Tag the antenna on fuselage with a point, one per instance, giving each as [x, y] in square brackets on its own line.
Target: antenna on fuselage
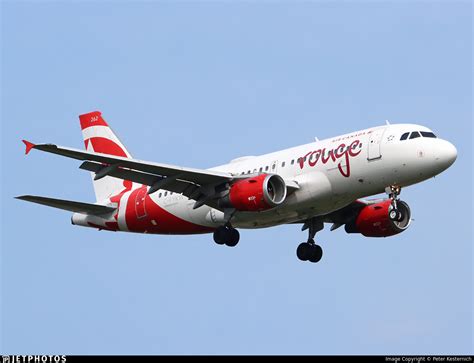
[388, 123]
[316, 138]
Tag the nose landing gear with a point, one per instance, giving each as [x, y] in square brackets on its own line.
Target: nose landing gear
[393, 192]
[310, 251]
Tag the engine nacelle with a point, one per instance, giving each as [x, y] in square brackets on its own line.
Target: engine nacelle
[374, 221]
[255, 194]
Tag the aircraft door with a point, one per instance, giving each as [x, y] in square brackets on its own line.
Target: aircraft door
[375, 140]
[140, 203]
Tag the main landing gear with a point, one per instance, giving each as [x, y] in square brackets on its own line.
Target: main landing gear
[393, 193]
[310, 251]
[226, 235]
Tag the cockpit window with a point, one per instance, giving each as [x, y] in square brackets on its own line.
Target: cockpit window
[404, 136]
[428, 134]
[414, 135]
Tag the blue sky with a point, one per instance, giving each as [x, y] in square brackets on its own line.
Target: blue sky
[197, 84]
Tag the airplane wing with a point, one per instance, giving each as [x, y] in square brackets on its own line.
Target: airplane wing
[201, 185]
[78, 207]
[193, 175]
[342, 216]
[346, 214]
[204, 186]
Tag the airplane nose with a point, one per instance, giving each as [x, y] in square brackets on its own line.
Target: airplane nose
[446, 154]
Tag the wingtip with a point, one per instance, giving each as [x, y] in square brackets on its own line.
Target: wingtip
[29, 146]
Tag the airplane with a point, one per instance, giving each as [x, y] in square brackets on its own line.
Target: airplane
[320, 182]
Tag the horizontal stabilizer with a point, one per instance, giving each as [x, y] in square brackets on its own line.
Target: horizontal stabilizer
[78, 207]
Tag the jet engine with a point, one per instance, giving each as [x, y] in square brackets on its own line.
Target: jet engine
[375, 220]
[255, 194]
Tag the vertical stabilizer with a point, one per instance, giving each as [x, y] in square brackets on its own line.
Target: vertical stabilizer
[100, 138]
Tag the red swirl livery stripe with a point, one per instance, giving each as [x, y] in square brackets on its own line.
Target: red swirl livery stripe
[143, 215]
[105, 146]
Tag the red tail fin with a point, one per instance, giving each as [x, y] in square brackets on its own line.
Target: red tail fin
[92, 119]
[99, 137]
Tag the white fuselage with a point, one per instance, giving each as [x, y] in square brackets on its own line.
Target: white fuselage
[328, 174]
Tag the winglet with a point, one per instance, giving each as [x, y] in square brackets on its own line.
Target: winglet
[29, 146]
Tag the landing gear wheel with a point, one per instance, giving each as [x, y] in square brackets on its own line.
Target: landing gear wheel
[394, 215]
[393, 192]
[400, 216]
[303, 251]
[226, 235]
[233, 237]
[308, 251]
[316, 253]
[220, 235]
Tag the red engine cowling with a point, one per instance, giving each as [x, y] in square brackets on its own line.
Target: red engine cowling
[373, 220]
[257, 193]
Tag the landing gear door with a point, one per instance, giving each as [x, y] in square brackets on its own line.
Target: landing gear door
[375, 140]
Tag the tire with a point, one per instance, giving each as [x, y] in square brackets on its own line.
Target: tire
[394, 215]
[316, 253]
[302, 252]
[233, 237]
[400, 216]
[220, 235]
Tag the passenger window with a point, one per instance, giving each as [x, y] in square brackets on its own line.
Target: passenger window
[428, 134]
[273, 166]
[266, 168]
[159, 195]
[414, 135]
[283, 164]
[166, 193]
[404, 136]
[260, 170]
[292, 161]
